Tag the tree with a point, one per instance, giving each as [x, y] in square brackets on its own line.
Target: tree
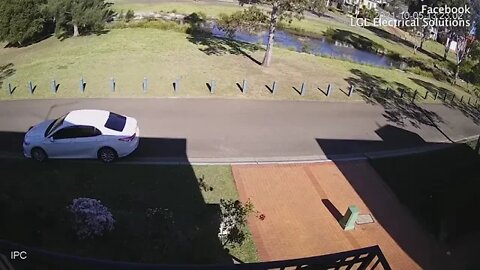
[470, 72]
[318, 7]
[465, 43]
[254, 18]
[395, 6]
[367, 13]
[419, 31]
[466, 38]
[80, 16]
[454, 32]
[21, 20]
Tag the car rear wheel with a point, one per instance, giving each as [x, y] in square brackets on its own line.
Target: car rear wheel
[38, 154]
[107, 154]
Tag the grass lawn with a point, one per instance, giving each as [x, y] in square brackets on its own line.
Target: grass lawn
[211, 9]
[34, 197]
[440, 188]
[129, 55]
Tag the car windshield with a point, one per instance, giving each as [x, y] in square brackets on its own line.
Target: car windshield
[54, 125]
[116, 122]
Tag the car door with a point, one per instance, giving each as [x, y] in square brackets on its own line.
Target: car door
[73, 142]
[87, 143]
[59, 143]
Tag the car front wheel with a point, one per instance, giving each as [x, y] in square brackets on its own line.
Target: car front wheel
[107, 154]
[38, 154]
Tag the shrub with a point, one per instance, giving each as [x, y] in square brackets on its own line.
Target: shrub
[306, 48]
[330, 34]
[194, 18]
[121, 15]
[90, 218]
[292, 48]
[367, 13]
[202, 15]
[394, 56]
[156, 24]
[419, 71]
[129, 15]
[233, 220]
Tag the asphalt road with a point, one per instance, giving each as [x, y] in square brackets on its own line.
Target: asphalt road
[205, 130]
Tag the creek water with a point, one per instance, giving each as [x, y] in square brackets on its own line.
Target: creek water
[316, 46]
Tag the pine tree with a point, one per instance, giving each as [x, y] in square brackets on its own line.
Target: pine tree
[21, 21]
[80, 16]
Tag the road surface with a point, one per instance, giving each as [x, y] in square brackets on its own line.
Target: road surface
[246, 130]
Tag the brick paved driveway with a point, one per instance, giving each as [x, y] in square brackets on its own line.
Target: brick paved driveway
[301, 202]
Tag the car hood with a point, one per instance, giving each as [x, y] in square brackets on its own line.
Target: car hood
[38, 131]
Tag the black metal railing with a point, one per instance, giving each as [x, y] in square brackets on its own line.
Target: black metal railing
[364, 258]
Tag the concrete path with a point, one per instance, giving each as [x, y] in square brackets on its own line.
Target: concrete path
[224, 130]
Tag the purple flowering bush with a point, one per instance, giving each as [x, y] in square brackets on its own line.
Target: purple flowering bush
[90, 218]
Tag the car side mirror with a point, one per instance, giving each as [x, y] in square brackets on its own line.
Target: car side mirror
[51, 139]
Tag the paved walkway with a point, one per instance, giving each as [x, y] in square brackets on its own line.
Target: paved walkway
[250, 130]
[301, 204]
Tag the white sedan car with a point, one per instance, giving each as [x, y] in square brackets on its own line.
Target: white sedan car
[83, 134]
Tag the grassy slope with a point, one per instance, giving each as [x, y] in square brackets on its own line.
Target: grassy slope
[322, 24]
[35, 197]
[129, 55]
[211, 10]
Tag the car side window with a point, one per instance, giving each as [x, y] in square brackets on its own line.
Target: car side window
[66, 133]
[97, 132]
[76, 132]
[88, 131]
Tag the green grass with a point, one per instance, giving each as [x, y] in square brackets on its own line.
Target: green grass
[472, 143]
[34, 197]
[129, 55]
[210, 9]
[439, 188]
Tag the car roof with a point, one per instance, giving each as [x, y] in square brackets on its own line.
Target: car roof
[96, 118]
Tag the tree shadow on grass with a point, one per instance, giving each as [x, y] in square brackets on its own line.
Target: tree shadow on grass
[69, 34]
[29, 42]
[389, 36]
[212, 45]
[436, 71]
[6, 71]
[399, 110]
[396, 39]
[358, 41]
[445, 95]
